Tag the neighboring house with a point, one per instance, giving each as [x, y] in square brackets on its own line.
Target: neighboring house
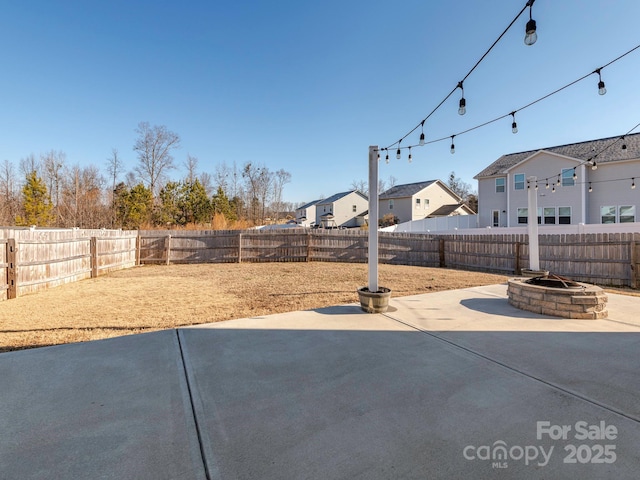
[342, 209]
[600, 192]
[415, 201]
[306, 214]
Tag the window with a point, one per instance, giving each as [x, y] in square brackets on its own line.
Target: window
[417, 203]
[500, 185]
[523, 214]
[426, 203]
[567, 177]
[627, 213]
[496, 218]
[354, 208]
[564, 215]
[622, 214]
[390, 204]
[518, 181]
[549, 215]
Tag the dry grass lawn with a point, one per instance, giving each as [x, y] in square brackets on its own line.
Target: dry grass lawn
[151, 298]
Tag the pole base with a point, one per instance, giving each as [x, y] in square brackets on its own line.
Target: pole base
[374, 302]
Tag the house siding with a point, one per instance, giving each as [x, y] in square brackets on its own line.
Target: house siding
[611, 183]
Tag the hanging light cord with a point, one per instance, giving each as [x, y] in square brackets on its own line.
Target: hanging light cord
[528, 4]
[519, 109]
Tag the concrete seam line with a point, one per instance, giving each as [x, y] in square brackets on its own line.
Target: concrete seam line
[197, 410]
[515, 370]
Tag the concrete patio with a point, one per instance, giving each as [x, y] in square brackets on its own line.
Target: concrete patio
[449, 385]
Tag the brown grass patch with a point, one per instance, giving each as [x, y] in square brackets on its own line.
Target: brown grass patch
[151, 298]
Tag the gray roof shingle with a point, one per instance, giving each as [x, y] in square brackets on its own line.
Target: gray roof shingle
[338, 196]
[610, 148]
[406, 190]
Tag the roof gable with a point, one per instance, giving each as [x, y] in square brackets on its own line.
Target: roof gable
[610, 151]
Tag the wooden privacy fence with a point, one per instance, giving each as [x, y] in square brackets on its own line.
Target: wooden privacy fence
[35, 260]
[605, 259]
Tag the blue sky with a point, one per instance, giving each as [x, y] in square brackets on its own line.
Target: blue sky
[308, 86]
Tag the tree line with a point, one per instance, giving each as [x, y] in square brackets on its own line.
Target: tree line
[47, 191]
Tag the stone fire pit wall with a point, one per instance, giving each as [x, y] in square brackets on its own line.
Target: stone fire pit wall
[588, 302]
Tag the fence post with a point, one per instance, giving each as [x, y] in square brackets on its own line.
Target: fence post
[517, 258]
[239, 248]
[12, 269]
[308, 246]
[441, 252]
[167, 249]
[138, 246]
[634, 264]
[93, 249]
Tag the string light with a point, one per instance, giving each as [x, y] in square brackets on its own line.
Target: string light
[531, 36]
[422, 133]
[558, 182]
[633, 184]
[624, 143]
[453, 147]
[514, 125]
[547, 185]
[594, 165]
[601, 89]
[387, 157]
[398, 155]
[590, 188]
[463, 103]
[409, 158]
[575, 175]
[553, 190]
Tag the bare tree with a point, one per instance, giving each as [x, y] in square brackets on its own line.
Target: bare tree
[191, 164]
[9, 198]
[115, 167]
[222, 177]
[280, 179]
[29, 164]
[54, 164]
[207, 183]
[154, 146]
[360, 186]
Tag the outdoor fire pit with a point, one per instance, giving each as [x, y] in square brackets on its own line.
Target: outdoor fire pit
[558, 296]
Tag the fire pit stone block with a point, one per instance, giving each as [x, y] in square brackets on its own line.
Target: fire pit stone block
[588, 302]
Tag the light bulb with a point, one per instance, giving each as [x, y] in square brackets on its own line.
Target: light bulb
[536, 185]
[422, 139]
[547, 185]
[601, 89]
[553, 190]
[409, 158]
[387, 158]
[398, 154]
[590, 188]
[514, 127]
[463, 106]
[633, 183]
[453, 147]
[594, 166]
[575, 176]
[531, 36]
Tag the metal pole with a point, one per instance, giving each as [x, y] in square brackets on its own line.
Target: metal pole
[373, 218]
[534, 253]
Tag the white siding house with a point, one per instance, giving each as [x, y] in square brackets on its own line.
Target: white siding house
[415, 201]
[306, 214]
[342, 209]
[588, 182]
